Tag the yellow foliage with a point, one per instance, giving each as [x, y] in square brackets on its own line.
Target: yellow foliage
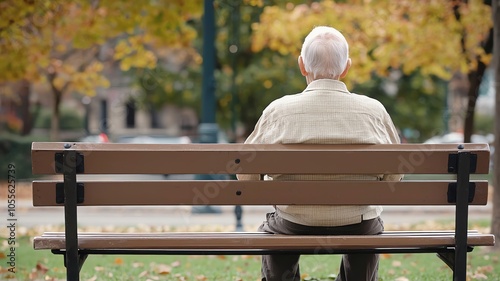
[409, 35]
[57, 37]
[258, 3]
[59, 82]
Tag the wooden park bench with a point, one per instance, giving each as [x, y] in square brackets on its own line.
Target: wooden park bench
[427, 160]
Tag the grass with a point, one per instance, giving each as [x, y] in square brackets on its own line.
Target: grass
[42, 265]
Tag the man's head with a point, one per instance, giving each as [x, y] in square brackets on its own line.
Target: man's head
[324, 54]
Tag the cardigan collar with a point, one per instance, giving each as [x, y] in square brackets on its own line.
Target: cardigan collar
[327, 85]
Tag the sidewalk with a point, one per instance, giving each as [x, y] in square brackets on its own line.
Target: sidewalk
[181, 216]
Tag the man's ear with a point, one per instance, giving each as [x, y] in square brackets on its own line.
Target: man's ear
[302, 67]
[347, 66]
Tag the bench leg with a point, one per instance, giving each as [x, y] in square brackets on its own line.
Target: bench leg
[448, 258]
[81, 258]
[461, 216]
[71, 256]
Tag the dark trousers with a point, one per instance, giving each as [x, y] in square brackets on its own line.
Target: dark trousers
[353, 267]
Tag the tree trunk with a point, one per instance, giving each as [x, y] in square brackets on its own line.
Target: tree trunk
[54, 120]
[495, 225]
[475, 78]
[26, 116]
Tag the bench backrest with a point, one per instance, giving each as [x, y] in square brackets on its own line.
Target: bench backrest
[408, 159]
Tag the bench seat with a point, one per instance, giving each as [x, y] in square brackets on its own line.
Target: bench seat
[262, 242]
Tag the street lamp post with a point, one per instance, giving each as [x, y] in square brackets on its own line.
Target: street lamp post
[208, 128]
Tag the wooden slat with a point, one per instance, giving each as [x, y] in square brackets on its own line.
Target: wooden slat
[259, 193]
[258, 241]
[258, 159]
[194, 235]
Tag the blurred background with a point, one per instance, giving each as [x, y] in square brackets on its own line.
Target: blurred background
[105, 71]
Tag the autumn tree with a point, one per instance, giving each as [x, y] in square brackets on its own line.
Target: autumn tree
[423, 36]
[246, 81]
[60, 43]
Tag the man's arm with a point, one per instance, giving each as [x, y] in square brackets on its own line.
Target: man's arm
[256, 137]
[393, 138]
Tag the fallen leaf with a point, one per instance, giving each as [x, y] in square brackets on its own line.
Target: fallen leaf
[41, 268]
[99, 268]
[94, 278]
[144, 273]
[137, 264]
[385, 256]
[201, 278]
[479, 276]
[175, 264]
[163, 269]
[2, 255]
[485, 269]
[396, 263]
[180, 277]
[402, 278]
[118, 261]
[32, 276]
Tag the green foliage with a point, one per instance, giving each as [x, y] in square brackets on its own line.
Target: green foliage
[484, 124]
[416, 108]
[162, 86]
[259, 78]
[264, 65]
[16, 150]
[69, 120]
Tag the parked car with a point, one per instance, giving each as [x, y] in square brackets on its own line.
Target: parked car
[154, 139]
[100, 138]
[456, 137]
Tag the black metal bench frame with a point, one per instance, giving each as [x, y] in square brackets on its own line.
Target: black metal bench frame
[70, 162]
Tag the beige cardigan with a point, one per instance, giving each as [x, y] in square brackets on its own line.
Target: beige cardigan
[325, 113]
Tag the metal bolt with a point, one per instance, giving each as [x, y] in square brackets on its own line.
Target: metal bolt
[67, 145]
[238, 193]
[460, 146]
[237, 161]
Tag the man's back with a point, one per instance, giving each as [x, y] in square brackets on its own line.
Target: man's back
[325, 113]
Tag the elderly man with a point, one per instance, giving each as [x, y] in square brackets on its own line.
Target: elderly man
[324, 113]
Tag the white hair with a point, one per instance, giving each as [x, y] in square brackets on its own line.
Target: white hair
[325, 53]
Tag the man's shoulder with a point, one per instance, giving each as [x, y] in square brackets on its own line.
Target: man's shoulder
[367, 100]
[284, 100]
